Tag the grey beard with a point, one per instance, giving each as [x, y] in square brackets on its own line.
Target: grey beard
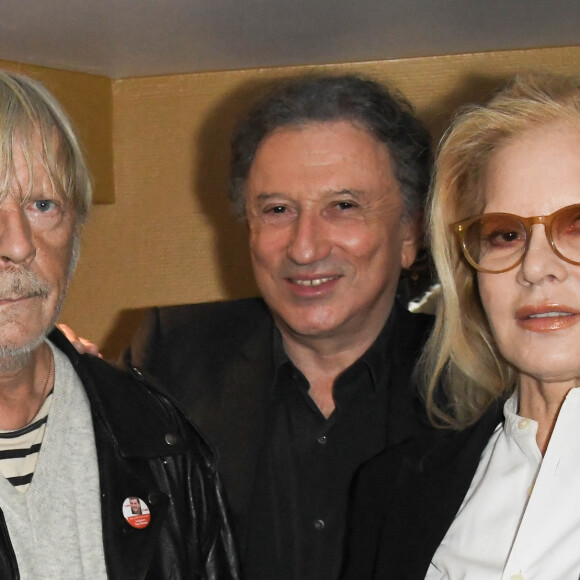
[23, 282]
[14, 358]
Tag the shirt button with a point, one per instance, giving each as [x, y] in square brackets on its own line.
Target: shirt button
[319, 525]
[322, 440]
[171, 439]
[517, 577]
[523, 424]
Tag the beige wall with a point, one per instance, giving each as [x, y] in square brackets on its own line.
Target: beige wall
[88, 99]
[169, 237]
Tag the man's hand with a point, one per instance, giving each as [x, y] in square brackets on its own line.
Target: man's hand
[82, 345]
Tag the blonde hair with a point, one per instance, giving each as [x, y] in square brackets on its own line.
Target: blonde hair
[461, 369]
[28, 110]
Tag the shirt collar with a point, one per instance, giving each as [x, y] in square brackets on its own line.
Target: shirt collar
[521, 430]
[518, 427]
[377, 357]
[278, 353]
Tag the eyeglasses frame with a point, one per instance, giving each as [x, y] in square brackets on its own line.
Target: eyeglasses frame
[460, 228]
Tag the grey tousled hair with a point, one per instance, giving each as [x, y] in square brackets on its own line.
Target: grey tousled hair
[28, 109]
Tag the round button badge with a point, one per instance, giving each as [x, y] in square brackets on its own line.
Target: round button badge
[136, 512]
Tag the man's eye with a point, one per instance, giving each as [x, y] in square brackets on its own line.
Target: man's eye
[345, 205]
[276, 209]
[279, 215]
[44, 205]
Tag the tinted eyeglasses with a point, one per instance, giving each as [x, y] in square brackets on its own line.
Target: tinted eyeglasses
[498, 242]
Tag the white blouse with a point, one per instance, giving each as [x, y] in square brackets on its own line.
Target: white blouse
[520, 519]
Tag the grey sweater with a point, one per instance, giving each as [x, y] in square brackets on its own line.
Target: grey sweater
[55, 526]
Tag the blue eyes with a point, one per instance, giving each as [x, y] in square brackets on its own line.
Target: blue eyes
[44, 205]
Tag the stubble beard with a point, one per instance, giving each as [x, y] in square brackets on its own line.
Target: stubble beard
[23, 282]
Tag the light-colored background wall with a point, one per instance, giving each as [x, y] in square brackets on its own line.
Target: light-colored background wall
[170, 237]
[88, 99]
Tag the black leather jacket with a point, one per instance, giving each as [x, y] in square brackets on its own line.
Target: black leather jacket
[146, 448]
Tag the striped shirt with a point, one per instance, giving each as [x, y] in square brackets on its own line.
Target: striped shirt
[19, 449]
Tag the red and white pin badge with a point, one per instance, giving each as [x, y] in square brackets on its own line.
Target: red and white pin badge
[136, 512]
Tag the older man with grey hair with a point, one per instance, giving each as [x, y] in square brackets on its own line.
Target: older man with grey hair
[71, 456]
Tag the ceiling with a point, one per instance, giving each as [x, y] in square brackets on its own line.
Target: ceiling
[127, 38]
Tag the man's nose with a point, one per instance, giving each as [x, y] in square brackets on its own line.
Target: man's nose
[16, 240]
[310, 240]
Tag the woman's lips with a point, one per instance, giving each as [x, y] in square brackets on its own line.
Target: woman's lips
[547, 317]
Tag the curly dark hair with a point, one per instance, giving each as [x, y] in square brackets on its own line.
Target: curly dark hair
[387, 116]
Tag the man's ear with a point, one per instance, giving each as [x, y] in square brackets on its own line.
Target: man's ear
[412, 239]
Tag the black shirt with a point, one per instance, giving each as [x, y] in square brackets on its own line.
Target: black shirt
[218, 361]
[306, 464]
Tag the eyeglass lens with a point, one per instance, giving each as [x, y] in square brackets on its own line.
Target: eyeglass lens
[497, 241]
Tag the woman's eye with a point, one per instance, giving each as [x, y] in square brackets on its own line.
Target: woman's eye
[504, 238]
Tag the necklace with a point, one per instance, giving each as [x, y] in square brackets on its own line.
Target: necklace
[48, 375]
[45, 385]
[14, 418]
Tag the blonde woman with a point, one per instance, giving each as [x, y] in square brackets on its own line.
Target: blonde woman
[497, 493]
